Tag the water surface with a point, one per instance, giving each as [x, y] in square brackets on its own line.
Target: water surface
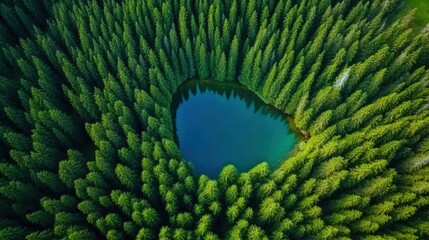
[222, 123]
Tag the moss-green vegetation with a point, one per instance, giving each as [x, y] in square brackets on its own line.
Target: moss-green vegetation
[421, 15]
[86, 142]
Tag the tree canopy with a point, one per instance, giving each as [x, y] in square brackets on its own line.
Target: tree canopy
[87, 148]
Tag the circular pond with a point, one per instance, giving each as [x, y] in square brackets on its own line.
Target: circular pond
[223, 123]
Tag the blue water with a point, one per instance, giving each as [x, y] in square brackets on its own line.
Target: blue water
[219, 124]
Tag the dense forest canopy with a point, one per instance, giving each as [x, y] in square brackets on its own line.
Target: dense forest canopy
[87, 148]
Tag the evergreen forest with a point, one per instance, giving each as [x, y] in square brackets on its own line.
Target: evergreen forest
[87, 146]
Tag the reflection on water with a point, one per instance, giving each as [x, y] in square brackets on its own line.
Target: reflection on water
[222, 123]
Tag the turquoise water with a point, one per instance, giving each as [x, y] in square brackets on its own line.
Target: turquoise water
[221, 123]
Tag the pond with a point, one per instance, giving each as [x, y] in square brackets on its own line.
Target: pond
[217, 124]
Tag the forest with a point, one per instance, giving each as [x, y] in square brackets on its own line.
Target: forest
[87, 147]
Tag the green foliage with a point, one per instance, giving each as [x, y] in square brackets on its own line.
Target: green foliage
[86, 133]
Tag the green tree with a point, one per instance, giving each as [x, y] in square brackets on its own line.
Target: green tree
[227, 176]
[12, 233]
[270, 211]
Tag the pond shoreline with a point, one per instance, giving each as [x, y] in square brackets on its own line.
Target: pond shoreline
[189, 125]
